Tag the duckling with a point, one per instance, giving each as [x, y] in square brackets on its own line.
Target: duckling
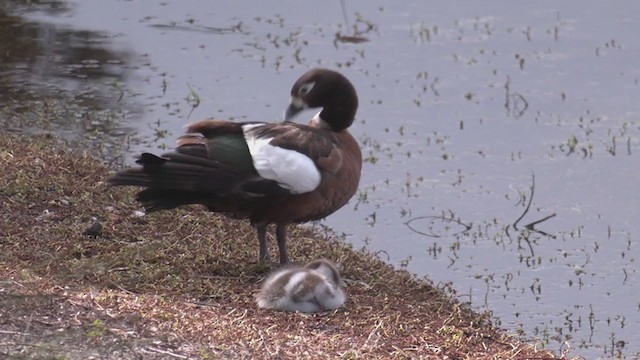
[313, 288]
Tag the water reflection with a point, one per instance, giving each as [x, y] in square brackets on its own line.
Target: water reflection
[62, 79]
[49, 7]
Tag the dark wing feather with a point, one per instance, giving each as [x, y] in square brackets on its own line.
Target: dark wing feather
[319, 145]
[215, 170]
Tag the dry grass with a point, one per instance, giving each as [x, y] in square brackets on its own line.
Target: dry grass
[180, 284]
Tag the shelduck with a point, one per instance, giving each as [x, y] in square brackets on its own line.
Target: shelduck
[313, 288]
[269, 173]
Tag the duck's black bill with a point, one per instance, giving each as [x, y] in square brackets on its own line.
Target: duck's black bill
[292, 111]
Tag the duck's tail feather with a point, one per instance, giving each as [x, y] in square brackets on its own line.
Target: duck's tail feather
[160, 199]
[179, 178]
[188, 176]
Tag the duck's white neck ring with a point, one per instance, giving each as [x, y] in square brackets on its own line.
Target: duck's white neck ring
[318, 122]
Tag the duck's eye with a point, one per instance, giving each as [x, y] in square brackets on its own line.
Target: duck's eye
[306, 88]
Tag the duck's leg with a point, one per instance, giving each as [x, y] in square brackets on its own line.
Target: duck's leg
[281, 236]
[264, 256]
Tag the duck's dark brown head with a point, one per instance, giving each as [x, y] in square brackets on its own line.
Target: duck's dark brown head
[326, 89]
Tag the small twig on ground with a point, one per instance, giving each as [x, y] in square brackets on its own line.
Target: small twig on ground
[14, 332]
[26, 329]
[165, 352]
[122, 289]
[12, 282]
[373, 332]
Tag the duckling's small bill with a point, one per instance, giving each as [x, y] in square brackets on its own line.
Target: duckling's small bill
[309, 289]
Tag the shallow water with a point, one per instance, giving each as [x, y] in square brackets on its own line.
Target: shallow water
[464, 109]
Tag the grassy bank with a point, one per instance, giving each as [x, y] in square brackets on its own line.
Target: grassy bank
[83, 274]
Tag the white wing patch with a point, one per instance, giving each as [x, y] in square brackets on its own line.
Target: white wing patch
[294, 171]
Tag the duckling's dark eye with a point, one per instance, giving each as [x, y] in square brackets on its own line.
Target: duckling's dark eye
[306, 88]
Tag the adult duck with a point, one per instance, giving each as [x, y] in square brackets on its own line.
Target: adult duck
[313, 288]
[269, 173]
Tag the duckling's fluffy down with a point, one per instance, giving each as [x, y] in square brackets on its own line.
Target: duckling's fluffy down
[309, 289]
